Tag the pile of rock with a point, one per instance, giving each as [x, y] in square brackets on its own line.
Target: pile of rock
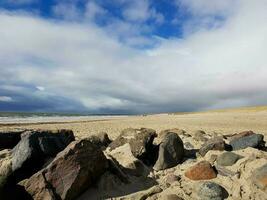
[41, 164]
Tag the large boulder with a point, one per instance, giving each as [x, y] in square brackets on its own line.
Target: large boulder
[141, 143]
[171, 152]
[9, 139]
[216, 143]
[72, 171]
[162, 134]
[35, 149]
[131, 165]
[254, 140]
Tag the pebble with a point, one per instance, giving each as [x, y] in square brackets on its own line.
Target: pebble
[227, 159]
[201, 171]
[210, 191]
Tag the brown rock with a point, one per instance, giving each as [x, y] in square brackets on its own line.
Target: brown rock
[101, 139]
[72, 171]
[39, 188]
[201, 171]
[216, 143]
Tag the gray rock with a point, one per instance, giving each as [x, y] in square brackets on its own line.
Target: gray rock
[255, 141]
[210, 191]
[259, 177]
[216, 143]
[228, 159]
[141, 143]
[171, 152]
[35, 148]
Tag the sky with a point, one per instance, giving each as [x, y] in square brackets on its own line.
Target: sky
[132, 56]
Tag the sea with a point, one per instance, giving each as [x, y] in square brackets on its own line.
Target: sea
[27, 117]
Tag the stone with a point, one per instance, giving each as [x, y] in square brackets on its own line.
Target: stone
[210, 191]
[171, 152]
[39, 188]
[131, 165]
[141, 143]
[201, 171]
[101, 139]
[35, 149]
[255, 141]
[178, 131]
[9, 139]
[172, 197]
[216, 143]
[199, 135]
[227, 159]
[73, 170]
[5, 167]
[240, 135]
[259, 177]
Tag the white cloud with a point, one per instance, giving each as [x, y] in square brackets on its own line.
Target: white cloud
[208, 68]
[141, 11]
[93, 10]
[5, 99]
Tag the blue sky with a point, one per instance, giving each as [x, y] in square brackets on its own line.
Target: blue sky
[132, 56]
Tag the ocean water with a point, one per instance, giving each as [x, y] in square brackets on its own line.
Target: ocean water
[9, 118]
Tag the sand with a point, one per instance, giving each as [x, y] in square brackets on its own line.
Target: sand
[213, 123]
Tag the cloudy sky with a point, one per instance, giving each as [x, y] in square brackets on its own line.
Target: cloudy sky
[132, 56]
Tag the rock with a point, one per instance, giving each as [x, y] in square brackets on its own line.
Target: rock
[73, 170]
[39, 188]
[188, 145]
[131, 165]
[259, 177]
[216, 143]
[178, 131]
[5, 167]
[226, 172]
[35, 148]
[172, 197]
[171, 178]
[255, 141]
[141, 143]
[240, 135]
[101, 139]
[171, 152]
[210, 191]
[201, 171]
[228, 159]
[9, 139]
[200, 136]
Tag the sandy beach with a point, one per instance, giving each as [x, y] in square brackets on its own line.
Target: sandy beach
[237, 181]
[220, 122]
